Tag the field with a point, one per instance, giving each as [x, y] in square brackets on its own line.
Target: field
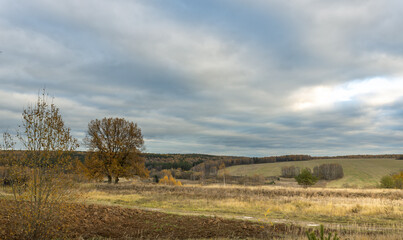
[113, 222]
[133, 209]
[373, 213]
[136, 209]
[361, 173]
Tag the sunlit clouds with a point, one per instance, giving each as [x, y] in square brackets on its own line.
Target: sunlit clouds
[376, 91]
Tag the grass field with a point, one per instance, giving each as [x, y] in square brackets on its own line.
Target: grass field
[343, 210]
[360, 173]
[285, 212]
[381, 207]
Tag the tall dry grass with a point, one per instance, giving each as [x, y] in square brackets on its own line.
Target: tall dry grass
[352, 211]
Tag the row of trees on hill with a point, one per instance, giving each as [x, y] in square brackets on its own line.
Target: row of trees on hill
[328, 171]
[324, 171]
[396, 156]
[182, 164]
[210, 168]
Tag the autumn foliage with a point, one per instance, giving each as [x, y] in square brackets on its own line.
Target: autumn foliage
[168, 179]
[115, 146]
[37, 176]
[393, 180]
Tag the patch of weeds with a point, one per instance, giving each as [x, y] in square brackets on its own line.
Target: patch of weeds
[356, 209]
[313, 236]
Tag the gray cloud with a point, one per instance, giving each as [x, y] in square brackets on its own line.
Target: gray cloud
[252, 78]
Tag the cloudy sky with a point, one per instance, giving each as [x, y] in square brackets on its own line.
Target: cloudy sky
[228, 77]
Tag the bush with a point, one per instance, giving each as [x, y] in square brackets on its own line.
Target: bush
[170, 181]
[398, 178]
[312, 235]
[306, 178]
[387, 182]
[393, 181]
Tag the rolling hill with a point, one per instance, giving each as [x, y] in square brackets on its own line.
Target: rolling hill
[360, 172]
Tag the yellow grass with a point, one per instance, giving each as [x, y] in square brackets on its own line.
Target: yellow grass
[333, 206]
[354, 212]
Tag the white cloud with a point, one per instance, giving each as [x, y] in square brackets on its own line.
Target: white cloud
[373, 92]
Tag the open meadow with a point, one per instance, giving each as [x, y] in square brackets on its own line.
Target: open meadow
[267, 212]
[358, 172]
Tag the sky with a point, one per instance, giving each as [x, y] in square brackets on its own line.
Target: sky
[224, 77]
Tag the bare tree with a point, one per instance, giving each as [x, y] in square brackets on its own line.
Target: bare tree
[115, 146]
[37, 174]
[223, 171]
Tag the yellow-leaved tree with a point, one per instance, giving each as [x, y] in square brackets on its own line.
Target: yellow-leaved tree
[168, 179]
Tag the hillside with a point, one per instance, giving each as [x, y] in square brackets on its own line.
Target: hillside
[364, 172]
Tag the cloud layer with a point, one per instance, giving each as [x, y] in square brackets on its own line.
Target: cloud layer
[251, 78]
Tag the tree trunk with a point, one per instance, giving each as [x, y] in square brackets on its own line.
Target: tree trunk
[109, 179]
[116, 180]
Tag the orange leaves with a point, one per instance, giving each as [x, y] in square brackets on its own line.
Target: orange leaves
[170, 181]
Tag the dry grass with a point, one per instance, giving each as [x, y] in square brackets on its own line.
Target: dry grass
[356, 213]
[352, 211]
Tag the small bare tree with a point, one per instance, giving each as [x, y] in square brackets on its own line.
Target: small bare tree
[223, 171]
[38, 173]
[115, 146]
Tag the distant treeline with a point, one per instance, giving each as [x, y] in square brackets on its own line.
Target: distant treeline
[182, 164]
[396, 156]
[210, 168]
[183, 161]
[329, 171]
[210, 163]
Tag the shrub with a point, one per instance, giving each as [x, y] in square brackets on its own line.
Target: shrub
[306, 178]
[398, 179]
[387, 182]
[170, 181]
[312, 235]
[393, 181]
[156, 178]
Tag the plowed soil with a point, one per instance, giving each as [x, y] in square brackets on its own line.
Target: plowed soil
[89, 221]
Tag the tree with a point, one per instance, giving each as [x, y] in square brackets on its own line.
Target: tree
[38, 174]
[306, 178]
[223, 171]
[115, 146]
[289, 171]
[168, 179]
[328, 171]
